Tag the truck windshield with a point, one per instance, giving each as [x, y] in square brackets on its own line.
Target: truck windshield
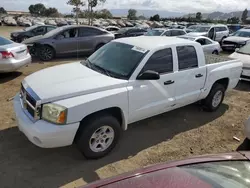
[244, 50]
[116, 59]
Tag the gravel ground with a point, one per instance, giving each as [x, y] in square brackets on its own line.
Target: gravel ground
[175, 135]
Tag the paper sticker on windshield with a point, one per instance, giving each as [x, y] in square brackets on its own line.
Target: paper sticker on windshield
[138, 49]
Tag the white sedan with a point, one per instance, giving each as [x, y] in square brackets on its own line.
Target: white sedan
[13, 55]
[243, 54]
[209, 46]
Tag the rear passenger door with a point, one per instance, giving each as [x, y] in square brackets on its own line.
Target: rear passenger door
[190, 78]
[151, 97]
[89, 39]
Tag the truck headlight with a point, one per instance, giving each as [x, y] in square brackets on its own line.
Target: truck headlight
[54, 113]
[243, 43]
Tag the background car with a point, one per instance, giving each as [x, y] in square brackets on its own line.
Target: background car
[191, 28]
[209, 46]
[214, 32]
[222, 171]
[112, 29]
[13, 55]
[130, 32]
[244, 55]
[21, 35]
[236, 40]
[165, 32]
[68, 40]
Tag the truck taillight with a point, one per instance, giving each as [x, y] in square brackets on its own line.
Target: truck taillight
[6, 55]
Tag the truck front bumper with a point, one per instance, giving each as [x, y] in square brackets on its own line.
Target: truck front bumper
[42, 133]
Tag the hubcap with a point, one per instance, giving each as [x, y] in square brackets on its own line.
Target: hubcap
[101, 139]
[46, 53]
[217, 98]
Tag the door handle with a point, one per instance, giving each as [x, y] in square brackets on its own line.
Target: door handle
[169, 82]
[198, 75]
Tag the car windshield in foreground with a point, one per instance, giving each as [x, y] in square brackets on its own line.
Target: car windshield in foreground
[116, 59]
[4, 41]
[225, 174]
[202, 29]
[244, 50]
[154, 32]
[30, 28]
[241, 34]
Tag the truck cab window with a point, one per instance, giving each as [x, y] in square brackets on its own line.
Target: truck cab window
[187, 57]
[161, 62]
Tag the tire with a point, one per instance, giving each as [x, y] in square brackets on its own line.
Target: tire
[46, 53]
[214, 98]
[33, 51]
[91, 136]
[215, 52]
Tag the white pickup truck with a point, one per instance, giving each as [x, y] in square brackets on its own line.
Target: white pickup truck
[90, 102]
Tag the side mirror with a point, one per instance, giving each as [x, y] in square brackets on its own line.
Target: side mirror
[149, 75]
[237, 49]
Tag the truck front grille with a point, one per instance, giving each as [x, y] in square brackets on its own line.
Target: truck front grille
[29, 104]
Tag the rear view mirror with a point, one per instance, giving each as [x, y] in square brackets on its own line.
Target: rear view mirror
[149, 75]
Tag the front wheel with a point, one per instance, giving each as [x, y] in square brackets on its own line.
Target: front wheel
[214, 98]
[46, 53]
[98, 136]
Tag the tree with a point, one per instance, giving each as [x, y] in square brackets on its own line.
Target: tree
[37, 9]
[141, 17]
[51, 12]
[132, 14]
[104, 13]
[233, 20]
[198, 16]
[77, 4]
[2, 10]
[244, 16]
[91, 5]
[155, 18]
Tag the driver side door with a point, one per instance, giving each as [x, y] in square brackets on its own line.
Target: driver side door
[67, 41]
[151, 97]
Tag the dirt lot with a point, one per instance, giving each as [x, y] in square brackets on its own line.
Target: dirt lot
[175, 135]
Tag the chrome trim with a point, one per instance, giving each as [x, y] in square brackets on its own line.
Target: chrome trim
[25, 102]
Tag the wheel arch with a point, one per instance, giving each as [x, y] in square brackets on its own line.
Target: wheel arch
[222, 81]
[114, 111]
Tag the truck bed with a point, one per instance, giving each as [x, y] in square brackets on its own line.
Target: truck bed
[212, 59]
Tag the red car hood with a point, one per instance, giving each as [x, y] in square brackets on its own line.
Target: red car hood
[166, 175]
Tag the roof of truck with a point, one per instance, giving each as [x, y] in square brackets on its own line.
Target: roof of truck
[153, 42]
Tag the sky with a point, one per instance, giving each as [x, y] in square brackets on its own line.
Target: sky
[184, 6]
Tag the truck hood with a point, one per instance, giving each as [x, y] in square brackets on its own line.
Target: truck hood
[197, 34]
[69, 80]
[236, 39]
[34, 39]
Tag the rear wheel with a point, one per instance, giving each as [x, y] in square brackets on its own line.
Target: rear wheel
[215, 52]
[98, 136]
[46, 53]
[214, 98]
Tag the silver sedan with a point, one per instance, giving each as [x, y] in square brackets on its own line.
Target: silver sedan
[209, 46]
[13, 55]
